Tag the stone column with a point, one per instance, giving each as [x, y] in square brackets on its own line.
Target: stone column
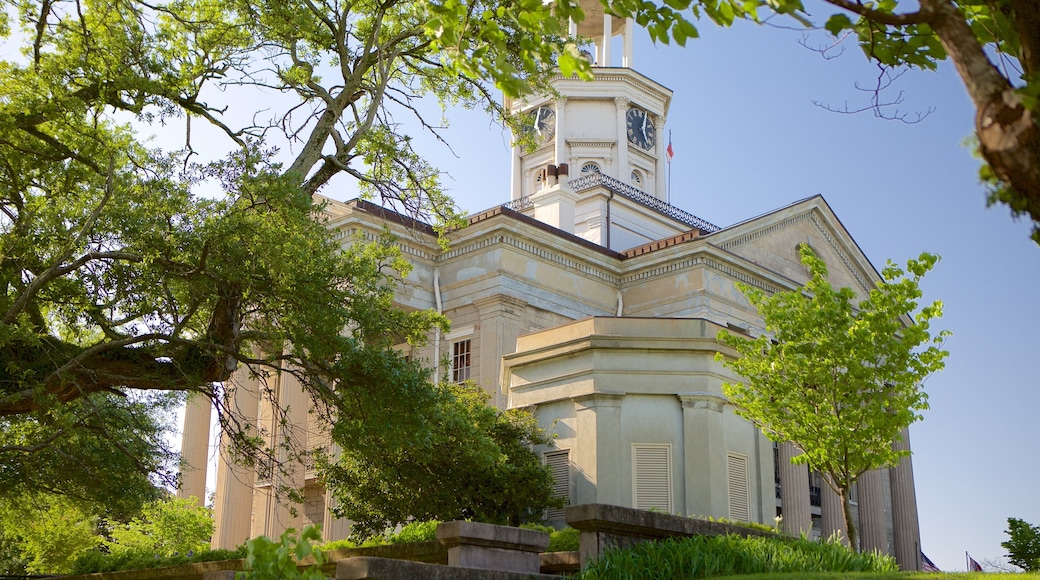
[871, 498]
[906, 531]
[597, 458]
[623, 166]
[704, 455]
[832, 515]
[629, 41]
[195, 448]
[608, 33]
[233, 502]
[290, 438]
[794, 492]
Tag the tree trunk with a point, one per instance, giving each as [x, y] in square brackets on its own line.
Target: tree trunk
[1009, 138]
[850, 526]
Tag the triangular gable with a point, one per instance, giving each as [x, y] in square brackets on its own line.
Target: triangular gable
[771, 241]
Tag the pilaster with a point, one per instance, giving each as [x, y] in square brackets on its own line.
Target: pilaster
[623, 165]
[704, 454]
[599, 449]
[560, 137]
[500, 316]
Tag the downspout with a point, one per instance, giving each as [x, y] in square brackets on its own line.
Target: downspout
[437, 331]
[607, 236]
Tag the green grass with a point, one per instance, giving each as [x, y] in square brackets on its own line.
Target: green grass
[881, 576]
[707, 557]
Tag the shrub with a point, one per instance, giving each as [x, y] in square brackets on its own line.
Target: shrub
[267, 559]
[704, 556]
[416, 532]
[96, 561]
[565, 540]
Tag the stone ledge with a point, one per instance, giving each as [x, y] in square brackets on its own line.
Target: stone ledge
[365, 568]
[560, 562]
[452, 534]
[602, 527]
[491, 547]
[595, 517]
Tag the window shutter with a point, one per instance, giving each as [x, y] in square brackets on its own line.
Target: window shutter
[652, 467]
[559, 463]
[739, 492]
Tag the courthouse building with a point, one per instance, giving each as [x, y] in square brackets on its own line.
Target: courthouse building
[591, 300]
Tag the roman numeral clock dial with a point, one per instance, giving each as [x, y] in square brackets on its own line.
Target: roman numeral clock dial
[641, 130]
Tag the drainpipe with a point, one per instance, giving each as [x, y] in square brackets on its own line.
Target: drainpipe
[437, 331]
[607, 236]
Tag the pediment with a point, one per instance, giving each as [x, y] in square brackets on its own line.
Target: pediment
[771, 241]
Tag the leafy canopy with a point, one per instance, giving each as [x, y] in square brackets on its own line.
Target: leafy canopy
[129, 271]
[840, 380]
[475, 462]
[1023, 545]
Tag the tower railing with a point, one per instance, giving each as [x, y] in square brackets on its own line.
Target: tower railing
[590, 180]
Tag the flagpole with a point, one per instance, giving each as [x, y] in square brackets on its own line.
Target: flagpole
[668, 192]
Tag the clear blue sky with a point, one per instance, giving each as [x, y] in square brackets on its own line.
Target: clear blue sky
[748, 139]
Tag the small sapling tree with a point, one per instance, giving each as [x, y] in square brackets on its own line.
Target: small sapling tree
[838, 379]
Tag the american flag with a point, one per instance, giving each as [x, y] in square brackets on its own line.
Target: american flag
[973, 566]
[927, 565]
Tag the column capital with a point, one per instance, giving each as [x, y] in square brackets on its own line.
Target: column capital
[622, 103]
[702, 400]
[500, 304]
[597, 400]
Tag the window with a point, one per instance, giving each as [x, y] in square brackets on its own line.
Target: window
[652, 476]
[559, 463]
[636, 179]
[460, 360]
[739, 491]
[590, 168]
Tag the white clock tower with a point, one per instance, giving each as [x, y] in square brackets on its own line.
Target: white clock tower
[599, 169]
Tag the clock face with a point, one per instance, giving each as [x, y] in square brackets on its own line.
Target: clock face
[641, 130]
[543, 122]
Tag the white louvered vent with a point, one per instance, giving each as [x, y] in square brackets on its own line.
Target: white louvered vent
[652, 476]
[559, 463]
[739, 492]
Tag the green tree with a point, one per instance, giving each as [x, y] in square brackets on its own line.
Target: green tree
[120, 283]
[1023, 545]
[45, 533]
[478, 465]
[837, 378]
[165, 527]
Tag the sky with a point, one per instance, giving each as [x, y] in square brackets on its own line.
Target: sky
[749, 138]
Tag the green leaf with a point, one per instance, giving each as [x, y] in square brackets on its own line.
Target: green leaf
[837, 23]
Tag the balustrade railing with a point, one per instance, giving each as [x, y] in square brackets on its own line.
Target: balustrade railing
[590, 180]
